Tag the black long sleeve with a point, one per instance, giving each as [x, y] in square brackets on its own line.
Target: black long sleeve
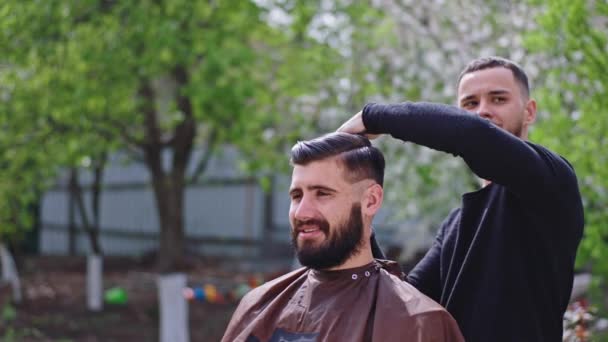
[535, 174]
[510, 248]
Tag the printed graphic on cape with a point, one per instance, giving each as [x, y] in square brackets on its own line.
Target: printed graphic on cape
[281, 335]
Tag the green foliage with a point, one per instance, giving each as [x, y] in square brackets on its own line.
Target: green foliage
[573, 35]
[8, 313]
[23, 334]
[79, 79]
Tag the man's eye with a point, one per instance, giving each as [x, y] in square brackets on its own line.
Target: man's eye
[322, 193]
[469, 104]
[295, 197]
[499, 100]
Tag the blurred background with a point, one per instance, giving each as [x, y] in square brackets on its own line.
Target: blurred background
[154, 136]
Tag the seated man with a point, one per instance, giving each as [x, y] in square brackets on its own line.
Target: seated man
[342, 293]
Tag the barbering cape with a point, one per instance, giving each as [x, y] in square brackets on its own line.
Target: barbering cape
[368, 303]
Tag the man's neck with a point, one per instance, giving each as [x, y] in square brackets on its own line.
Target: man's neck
[362, 258]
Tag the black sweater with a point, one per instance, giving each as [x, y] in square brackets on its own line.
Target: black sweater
[501, 264]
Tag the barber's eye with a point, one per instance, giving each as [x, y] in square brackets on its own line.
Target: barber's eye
[469, 104]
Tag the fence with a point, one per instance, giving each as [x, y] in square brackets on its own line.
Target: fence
[228, 214]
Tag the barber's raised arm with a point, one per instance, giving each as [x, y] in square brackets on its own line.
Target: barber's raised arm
[491, 152]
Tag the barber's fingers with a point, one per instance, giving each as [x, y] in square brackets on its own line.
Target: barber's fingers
[355, 125]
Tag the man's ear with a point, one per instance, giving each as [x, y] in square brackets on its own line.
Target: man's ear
[530, 112]
[372, 200]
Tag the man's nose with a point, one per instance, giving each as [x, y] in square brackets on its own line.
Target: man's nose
[485, 110]
[304, 209]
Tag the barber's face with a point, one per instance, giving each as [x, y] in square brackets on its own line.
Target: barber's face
[325, 214]
[495, 94]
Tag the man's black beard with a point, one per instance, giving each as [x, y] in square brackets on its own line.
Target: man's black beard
[341, 243]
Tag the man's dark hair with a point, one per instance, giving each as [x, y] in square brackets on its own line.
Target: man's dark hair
[361, 159]
[498, 62]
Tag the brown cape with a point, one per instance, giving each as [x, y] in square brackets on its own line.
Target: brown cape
[368, 303]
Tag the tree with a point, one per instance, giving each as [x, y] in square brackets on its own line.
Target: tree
[572, 37]
[34, 149]
[156, 78]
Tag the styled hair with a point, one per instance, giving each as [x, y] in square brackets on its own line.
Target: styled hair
[361, 159]
[498, 62]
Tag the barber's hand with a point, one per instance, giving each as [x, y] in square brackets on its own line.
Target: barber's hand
[355, 125]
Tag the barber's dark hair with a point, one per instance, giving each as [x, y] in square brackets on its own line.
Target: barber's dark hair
[498, 62]
[361, 159]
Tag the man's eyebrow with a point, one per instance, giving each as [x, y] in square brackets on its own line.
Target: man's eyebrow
[492, 92]
[320, 187]
[499, 92]
[312, 187]
[468, 97]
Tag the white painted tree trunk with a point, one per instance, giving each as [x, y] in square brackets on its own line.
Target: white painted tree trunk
[94, 282]
[9, 272]
[173, 308]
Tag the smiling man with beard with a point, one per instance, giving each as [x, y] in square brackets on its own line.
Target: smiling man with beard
[342, 293]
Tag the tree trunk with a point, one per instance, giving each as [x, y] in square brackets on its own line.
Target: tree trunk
[96, 189]
[168, 192]
[94, 259]
[92, 230]
[169, 184]
[169, 201]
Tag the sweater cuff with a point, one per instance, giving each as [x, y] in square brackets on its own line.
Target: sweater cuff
[369, 115]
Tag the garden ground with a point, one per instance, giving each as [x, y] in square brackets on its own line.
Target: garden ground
[54, 306]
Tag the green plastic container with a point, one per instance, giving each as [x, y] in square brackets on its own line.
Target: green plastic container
[115, 295]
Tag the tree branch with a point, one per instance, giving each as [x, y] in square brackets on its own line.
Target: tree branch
[76, 191]
[204, 161]
[152, 145]
[98, 168]
[185, 131]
